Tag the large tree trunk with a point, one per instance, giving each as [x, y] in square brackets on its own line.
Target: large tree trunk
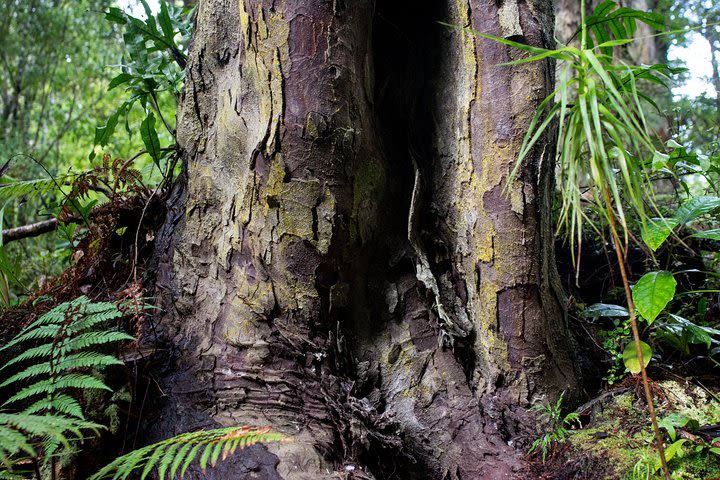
[349, 264]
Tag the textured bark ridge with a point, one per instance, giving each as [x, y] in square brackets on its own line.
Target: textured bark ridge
[348, 262]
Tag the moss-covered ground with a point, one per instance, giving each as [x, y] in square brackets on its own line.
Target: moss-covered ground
[616, 440]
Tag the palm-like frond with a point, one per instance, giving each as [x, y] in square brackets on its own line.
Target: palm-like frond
[173, 456]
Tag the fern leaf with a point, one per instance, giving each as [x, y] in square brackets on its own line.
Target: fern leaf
[205, 456]
[134, 459]
[42, 331]
[29, 188]
[56, 427]
[29, 372]
[191, 456]
[215, 455]
[167, 459]
[152, 461]
[93, 318]
[54, 417]
[179, 457]
[29, 354]
[58, 315]
[5, 475]
[87, 359]
[60, 403]
[73, 380]
[179, 452]
[80, 360]
[12, 442]
[92, 339]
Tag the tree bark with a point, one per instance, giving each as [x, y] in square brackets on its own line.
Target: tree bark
[348, 262]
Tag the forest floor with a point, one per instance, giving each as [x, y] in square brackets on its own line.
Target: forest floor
[616, 439]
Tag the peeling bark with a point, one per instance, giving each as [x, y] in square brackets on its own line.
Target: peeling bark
[348, 262]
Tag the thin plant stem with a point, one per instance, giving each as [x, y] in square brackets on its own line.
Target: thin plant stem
[636, 335]
[36, 468]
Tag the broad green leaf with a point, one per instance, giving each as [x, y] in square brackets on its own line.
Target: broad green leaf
[695, 207]
[166, 22]
[652, 293]
[604, 14]
[605, 310]
[695, 333]
[119, 80]
[657, 230]
[103, 134]
[669, 425]
[150, 138]
[150, 22]
[116, 15]
[671, 451]
[615, 43]
[631, 360]
[713, 234]
[504, 41]
[660, 161]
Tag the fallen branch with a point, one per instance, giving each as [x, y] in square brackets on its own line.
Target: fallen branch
[34, 229]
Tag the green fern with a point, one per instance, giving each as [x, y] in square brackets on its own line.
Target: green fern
[64, 343]
[174, 455]
[11, 189]
[67, 330]
[18, 431]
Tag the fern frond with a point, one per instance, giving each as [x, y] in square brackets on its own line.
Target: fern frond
[71, 362]
[29, 354]
[71, 332]
[92, 319]
[14, 190]
[29, 372]
[36, 333]
[60, 403]
[189, 459]
[12, 442]
[22, 436]
[57, 428]
[5, 475]
[168, 458]
[183, 449]
[179, 457]
[49, 386]
[78, 309]
[92, 339]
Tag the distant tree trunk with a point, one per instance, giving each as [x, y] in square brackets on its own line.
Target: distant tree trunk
[348, 263]
[645, 50]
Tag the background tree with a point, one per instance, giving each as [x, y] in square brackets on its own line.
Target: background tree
[53, 81]
[347, 261]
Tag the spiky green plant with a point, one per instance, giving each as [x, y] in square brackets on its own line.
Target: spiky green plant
[550, 415]
[42, 419]
[176, 454]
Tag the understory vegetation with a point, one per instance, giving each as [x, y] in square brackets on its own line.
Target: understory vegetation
[89, 158]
